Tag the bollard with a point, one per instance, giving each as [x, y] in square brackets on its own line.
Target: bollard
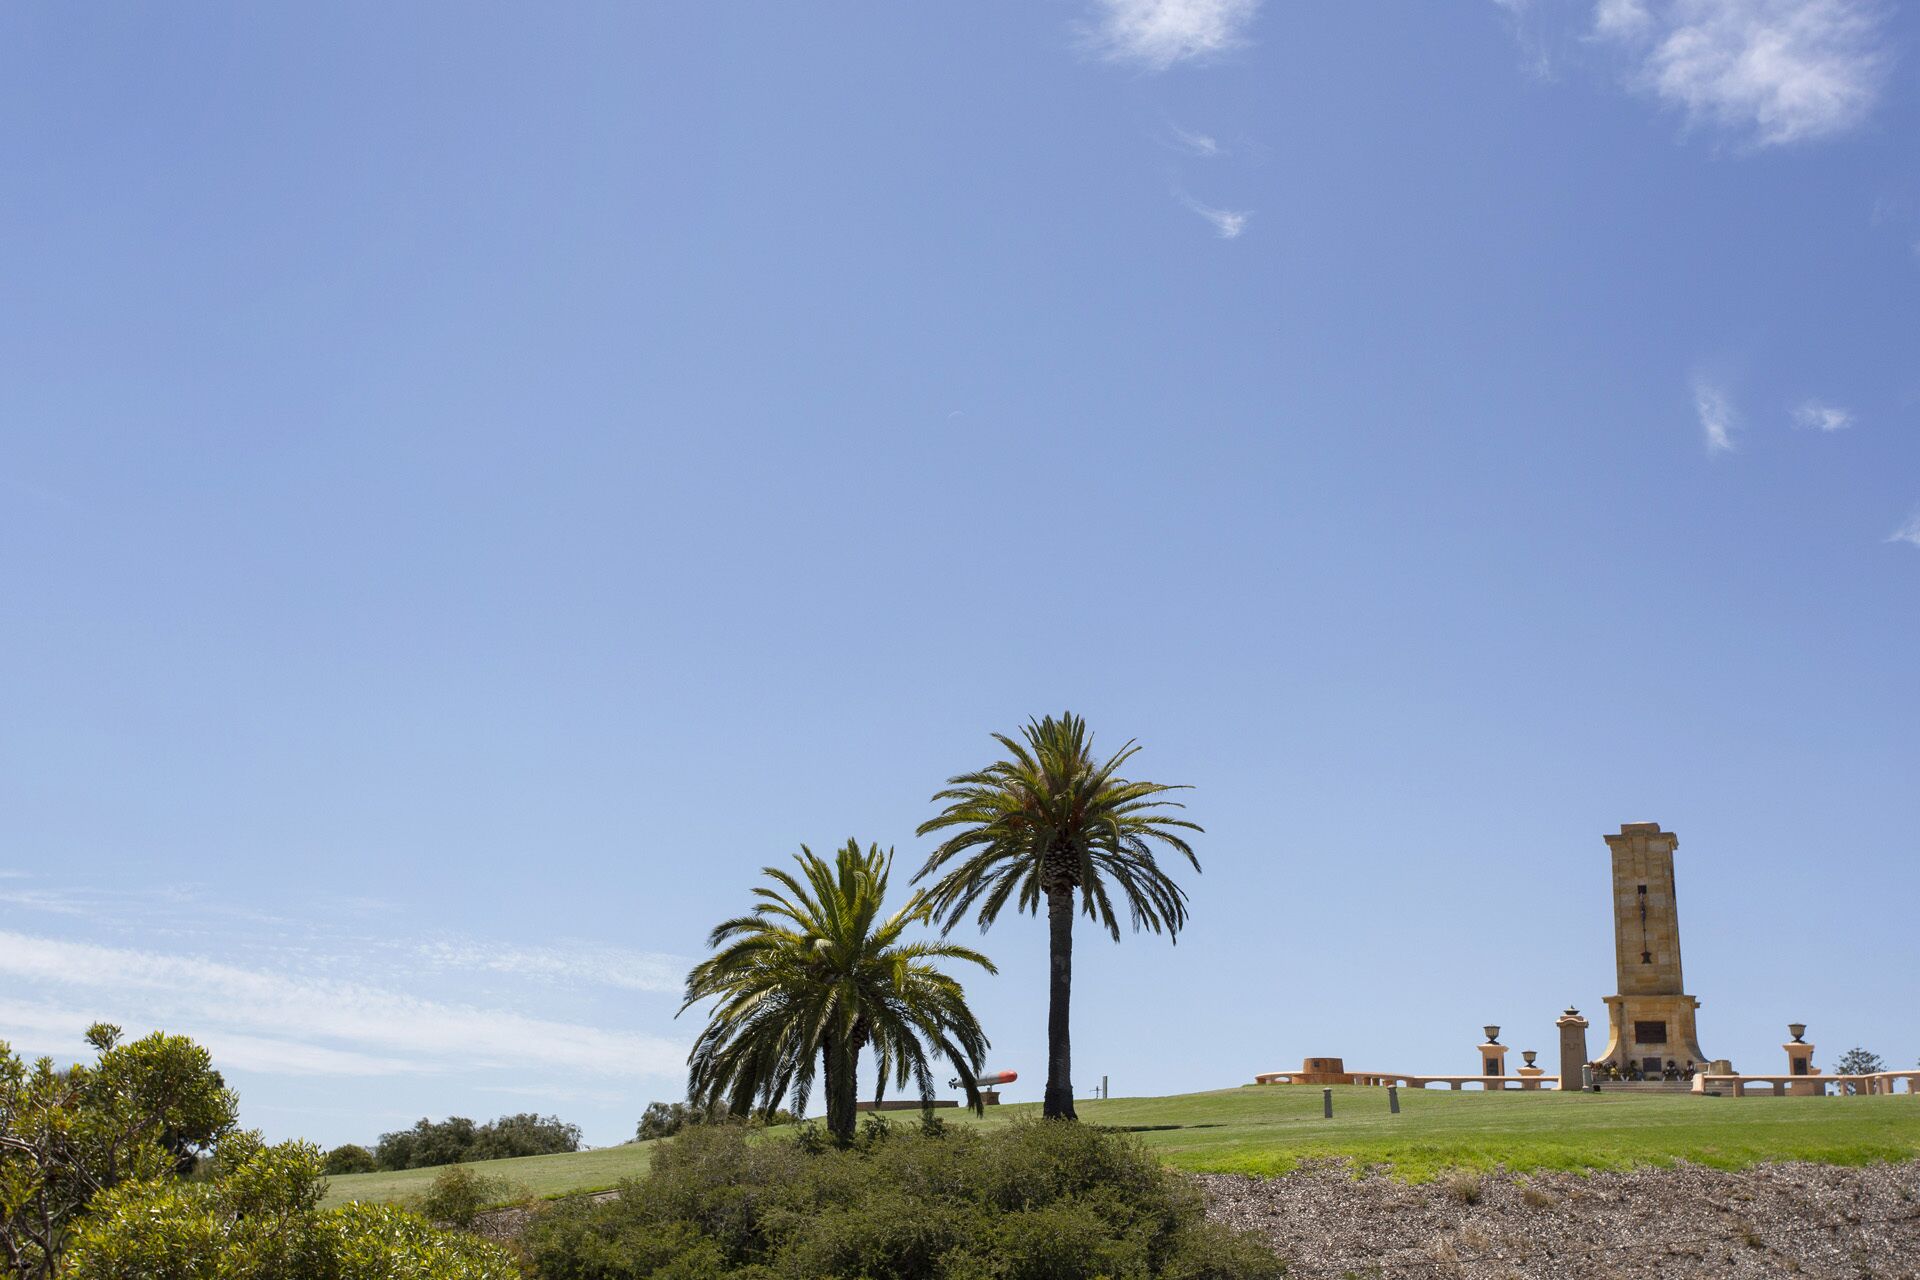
[1393, 1099]
[1326, 1102]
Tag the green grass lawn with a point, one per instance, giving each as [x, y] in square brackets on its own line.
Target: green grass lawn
[538, 1175]
[1272, 1129]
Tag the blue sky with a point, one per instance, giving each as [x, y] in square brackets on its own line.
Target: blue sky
[478, 483]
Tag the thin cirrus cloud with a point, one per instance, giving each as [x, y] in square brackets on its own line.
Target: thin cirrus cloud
[1816, 416]
[265, 1015]
[60, 1030]
[1203, 145]
[1226, 223]
[601, 966]
[1715, 410]
[1157, 34]
[1534, 45]
[1772, 71]
[1908, 533]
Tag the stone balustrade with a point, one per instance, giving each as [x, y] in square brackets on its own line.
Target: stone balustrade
[1877, 1084]
[1405, 1081]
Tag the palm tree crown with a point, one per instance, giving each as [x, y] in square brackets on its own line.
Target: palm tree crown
[817, 972]
[1047, 822]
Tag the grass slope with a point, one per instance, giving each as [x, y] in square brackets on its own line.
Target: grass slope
[1271, 1130]
[537, 1175]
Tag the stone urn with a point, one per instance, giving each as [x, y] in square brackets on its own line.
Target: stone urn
[1493, 1034]
[1796, 1030]
[1529, 1055]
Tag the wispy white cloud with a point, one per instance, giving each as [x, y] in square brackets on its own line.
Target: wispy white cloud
[61, 1032]
[1822, 417]
[48, 901]
[1908, 532]
[1226, 223]
[267, 1013]
[1773, 71]
[176, 909]
[602, 966]
[1194, 144]
[1528, 34]
[1716, 415]
[551, 1094]
[1159, 33]
[1621, 19]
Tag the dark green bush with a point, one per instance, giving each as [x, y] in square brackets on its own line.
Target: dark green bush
[349, 1157]
[664, 1119]
[458, 1195]
[457, 1140]
[1035, 1201]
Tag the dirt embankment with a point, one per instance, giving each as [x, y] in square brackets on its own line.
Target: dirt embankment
[1773, 1220]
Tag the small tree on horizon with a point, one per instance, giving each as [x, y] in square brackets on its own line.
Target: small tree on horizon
[1043, 824]
[1858, 1062]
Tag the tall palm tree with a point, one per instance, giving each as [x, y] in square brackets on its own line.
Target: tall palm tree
[1046, 822]
[816, 973]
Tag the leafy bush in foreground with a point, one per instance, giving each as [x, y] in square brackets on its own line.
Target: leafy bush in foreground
[1035, 1201]
[146, 1109]
[258, 1218]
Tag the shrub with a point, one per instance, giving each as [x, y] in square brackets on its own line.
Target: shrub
[1039, 1200]
[526, 1134]
[348, 1158]
[664, 1119]
[458, 1195]
[257, 1218]
[147, 1109]
[458, 1140]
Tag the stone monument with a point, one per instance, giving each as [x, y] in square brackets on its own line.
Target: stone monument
[1650, 1022]
[1573, 1050]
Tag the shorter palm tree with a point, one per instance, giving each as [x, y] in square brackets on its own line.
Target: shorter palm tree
[816, 973]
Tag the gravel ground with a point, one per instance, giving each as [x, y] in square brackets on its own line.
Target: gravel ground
[1772, 1220]
[503, 1225]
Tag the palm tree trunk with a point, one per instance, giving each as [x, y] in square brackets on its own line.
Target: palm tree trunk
[842, 1089]
[1059, 1097]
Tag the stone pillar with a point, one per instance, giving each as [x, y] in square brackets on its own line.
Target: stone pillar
[1573, 1049]
[1800, 1062]
[1493, 1055]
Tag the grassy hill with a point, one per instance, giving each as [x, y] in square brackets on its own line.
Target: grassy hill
[1270, 1130]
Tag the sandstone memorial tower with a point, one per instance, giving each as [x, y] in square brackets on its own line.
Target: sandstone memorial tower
[1650, 1023]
